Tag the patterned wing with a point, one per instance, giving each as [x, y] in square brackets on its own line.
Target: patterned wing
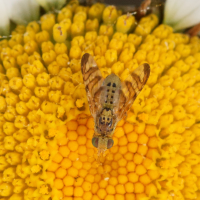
[93, 81]
[131, 88]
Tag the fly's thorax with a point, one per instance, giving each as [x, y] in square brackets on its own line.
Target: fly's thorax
[105, 121]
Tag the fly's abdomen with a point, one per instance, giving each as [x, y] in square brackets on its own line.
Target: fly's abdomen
[111, 90]
[110, 95]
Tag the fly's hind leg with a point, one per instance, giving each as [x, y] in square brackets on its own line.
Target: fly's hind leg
[82, 118]
[130, 118]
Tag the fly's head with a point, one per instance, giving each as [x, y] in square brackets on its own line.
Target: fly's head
[102, 143]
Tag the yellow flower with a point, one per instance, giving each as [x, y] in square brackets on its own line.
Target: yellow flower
[46, 129]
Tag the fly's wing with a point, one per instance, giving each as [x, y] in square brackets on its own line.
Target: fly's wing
[131, 88]
[93, 81]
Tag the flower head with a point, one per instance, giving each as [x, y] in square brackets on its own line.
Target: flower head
[46, 130]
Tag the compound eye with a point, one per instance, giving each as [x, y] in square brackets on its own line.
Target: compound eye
[95, 141]
[110, 143]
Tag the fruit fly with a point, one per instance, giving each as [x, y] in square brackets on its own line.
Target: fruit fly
[109, 99]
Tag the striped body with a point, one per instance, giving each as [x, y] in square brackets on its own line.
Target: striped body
[109, 100]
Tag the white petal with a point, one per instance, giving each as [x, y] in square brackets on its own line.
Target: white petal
[185, 9]
[170, 10]
[4, 20]
[181, 14]
[51, 4]
[22, 12]
[189, 20]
